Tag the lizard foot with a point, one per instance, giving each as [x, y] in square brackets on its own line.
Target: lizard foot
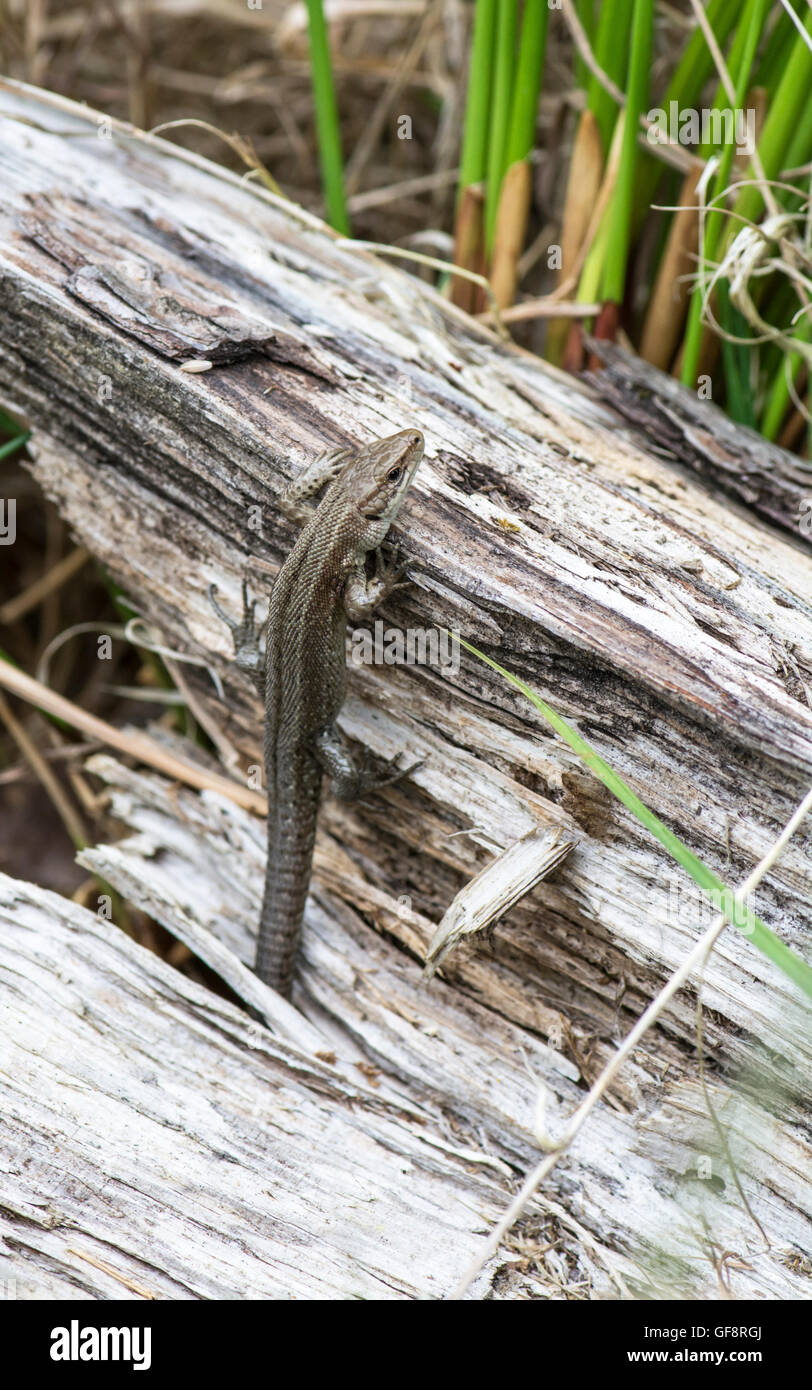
[244, 634]
[370, 781]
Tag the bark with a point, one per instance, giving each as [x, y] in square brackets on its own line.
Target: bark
[676, 424]
[673, 626]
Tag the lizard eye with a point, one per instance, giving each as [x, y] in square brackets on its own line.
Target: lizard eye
[394, 474]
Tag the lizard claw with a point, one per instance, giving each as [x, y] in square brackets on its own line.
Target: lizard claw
[370, 783]
[212, 592]
[248, 607]
[244, 631]
[389, 571]
[244, 635]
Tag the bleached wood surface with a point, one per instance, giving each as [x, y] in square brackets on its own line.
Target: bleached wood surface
[158, 1142]
[672, 625]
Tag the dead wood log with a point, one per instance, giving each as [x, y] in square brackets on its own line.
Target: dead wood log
[675, 424]
[674, 628]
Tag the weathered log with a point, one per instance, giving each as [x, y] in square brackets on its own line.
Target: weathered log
[674, 422]
[673, 627]
[157, 1143]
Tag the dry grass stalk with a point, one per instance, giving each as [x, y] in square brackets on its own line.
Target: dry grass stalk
[469, 241]
[586, 172]
[672, 290]
[511, 226]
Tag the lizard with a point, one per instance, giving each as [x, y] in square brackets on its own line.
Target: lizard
[302, 679]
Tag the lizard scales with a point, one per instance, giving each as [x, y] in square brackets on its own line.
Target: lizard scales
[321, 584]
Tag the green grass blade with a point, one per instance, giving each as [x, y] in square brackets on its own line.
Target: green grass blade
[745, 46]
[504, 72]
[720, 894]
[585, 10]
[474, 154]
[778, 396]
[790, 108]
[696, 64]
[532, 45]
[327, 125]
[736, 361]
[13, 444]
[691, 73]
[617, 250]
[590, 281]
[611, 44]
[776, 53]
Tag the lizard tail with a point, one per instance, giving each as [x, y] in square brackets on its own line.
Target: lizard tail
[291, 837]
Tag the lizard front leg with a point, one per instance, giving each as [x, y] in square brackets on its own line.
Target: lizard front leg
[318, 473]
[245, 635]
[349, 781]
[362, 594]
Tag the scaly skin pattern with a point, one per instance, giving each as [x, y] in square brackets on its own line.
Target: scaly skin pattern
[321, 584]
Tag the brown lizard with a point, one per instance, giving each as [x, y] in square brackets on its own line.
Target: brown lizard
[302, 679]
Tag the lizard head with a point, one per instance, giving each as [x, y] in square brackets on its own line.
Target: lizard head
[384, 472]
